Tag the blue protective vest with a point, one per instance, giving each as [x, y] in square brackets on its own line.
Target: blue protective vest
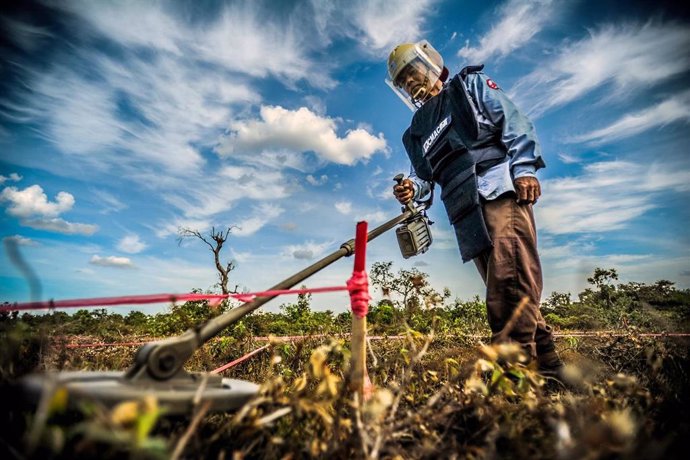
[447, 145]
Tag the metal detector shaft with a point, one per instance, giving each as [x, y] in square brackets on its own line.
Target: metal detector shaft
[216, 325]
[164, 359]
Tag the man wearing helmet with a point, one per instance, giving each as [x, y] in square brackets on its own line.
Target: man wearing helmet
[468, 137]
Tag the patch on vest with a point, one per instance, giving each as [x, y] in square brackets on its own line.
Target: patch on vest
[492, 84]
[435, 133]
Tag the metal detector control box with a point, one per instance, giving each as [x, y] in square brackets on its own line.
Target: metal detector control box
[414, 234]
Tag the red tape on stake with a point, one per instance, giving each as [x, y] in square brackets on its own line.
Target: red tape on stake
[358, 284]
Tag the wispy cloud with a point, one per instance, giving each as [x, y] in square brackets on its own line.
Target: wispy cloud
[384, 24]
[14, 177]
[219, 192]
[108, 202]
[27, 36]
[238, 37]
[606, 197]
[111, 261]
[240, 256]
[292, 132]
[306, 251]
[673, 109]
[621, 55]
[568, 158]
[59, 225]
[21, 240]
[173, 226]
[316, 182]
[378, 25]
[343, 207]
[261, 216]
[131, 244]
[516, 22]
[151, 112]
[33, 208]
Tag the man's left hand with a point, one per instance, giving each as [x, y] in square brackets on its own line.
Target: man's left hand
[528, 189]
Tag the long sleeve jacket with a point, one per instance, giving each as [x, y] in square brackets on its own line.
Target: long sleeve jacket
[493, 109]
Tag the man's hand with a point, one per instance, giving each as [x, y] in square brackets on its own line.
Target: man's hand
[528, 189]
[404, 192]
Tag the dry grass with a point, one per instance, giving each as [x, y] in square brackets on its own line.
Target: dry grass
[440, 398]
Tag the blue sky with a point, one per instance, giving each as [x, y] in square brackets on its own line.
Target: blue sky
[121, 122]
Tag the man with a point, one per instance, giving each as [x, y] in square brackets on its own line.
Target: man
[468, 137]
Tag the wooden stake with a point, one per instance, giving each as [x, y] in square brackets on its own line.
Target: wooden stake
[359, 355]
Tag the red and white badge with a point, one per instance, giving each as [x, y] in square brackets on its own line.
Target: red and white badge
[491, 84]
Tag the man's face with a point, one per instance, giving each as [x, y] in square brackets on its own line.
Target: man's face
[414, 81]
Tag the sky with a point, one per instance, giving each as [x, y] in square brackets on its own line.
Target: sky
[122, 122]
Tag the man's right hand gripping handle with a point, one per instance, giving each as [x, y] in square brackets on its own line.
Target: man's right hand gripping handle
[404, 190]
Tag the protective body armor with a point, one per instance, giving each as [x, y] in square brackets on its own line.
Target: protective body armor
[447, 145]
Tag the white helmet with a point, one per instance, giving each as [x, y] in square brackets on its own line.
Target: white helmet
[413, 71]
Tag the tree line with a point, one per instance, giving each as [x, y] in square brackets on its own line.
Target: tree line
[408, 301]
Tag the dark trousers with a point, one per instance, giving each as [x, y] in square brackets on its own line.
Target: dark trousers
[512, 272]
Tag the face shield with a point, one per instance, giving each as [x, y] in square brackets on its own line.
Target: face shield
[414, 70]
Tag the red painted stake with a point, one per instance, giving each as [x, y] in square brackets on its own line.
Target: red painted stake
[359, 299]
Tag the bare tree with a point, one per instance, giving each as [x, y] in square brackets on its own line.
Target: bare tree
[214, 240]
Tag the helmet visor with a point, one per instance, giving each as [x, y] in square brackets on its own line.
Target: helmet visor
[422, 70]
[417, 79]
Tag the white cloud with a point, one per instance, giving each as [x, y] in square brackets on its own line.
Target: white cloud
[34, 210]
[378, 25]
[240, 256]
[14, 177]
[375, 217]
[575, 255]
[516, 22]
[627, 56]
[111, 261]
[172, 226]
[213, 194]
[164, 119]
[307, 251]
[260, 217]
[343, 207]
[316, 182]
[32, 201]
[145, 24]
[385, 23]
[80, 114]
[297, 131]
[246, 40]
[131, 244]
[109, 202]
[58, 225]
[606, 197]
[239, 37]
[21, 240]
[27, 36]
[675, 108]
[568, 158]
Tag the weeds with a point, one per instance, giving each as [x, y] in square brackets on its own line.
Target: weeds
[429, 401]
[436, 395]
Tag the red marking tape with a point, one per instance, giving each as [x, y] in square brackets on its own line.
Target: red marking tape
[239, 360]
[358, 284]
[159, 298]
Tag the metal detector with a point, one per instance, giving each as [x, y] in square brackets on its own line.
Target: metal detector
[158, 366]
